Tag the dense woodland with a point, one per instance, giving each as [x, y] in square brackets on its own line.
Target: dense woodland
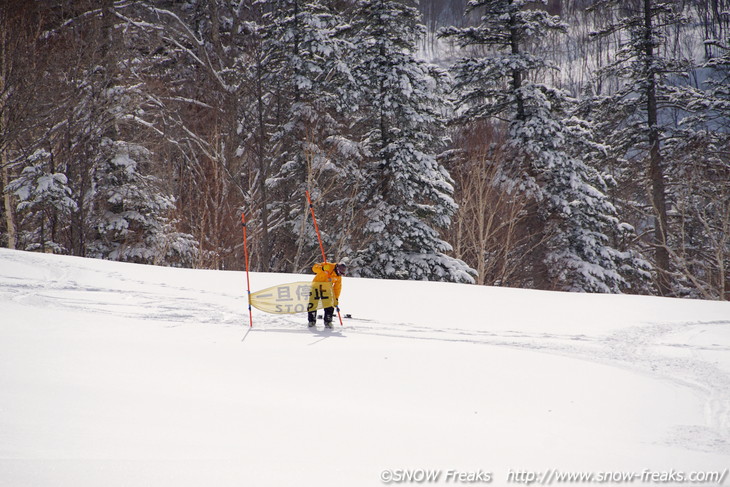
[579, 145]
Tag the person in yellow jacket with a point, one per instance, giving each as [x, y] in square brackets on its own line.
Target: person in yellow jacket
[328, 272]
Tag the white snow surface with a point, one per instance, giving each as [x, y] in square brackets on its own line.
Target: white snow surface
[120, 374]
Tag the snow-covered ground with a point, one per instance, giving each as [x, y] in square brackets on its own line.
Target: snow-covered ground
[119, 374]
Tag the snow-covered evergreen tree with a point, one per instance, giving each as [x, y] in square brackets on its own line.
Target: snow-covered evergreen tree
[636, 118]
[44, 198]
[588, 219]
[131, 220]
[408, 193]
[306, 78]
[576, 215]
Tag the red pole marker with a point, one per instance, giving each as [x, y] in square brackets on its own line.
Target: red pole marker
[248, 280]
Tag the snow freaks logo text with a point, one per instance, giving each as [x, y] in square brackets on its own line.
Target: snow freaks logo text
[425, 476]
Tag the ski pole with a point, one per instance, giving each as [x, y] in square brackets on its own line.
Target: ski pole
[248, 280]
[321, 246]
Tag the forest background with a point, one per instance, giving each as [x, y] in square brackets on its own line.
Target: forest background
[578, 145]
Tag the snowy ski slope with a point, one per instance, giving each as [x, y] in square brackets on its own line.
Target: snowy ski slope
[119, 374]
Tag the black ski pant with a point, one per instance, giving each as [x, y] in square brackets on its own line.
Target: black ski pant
[328, 314]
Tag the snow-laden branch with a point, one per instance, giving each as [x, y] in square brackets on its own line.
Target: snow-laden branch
[204, 58]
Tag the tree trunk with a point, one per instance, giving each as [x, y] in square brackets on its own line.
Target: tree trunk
[656, 170]
[516, 73]
[263, 169]
[8, 203]
[7, 197]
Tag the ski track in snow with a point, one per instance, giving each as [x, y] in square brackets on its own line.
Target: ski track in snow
[635, 348]
[128, 298]
[645, 349]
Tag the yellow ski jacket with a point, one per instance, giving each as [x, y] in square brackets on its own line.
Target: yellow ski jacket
[325, 272]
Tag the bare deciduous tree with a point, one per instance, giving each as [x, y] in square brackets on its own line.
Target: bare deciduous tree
[495, 230]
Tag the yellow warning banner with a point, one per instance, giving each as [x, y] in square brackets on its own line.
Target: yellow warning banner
[295, 297]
